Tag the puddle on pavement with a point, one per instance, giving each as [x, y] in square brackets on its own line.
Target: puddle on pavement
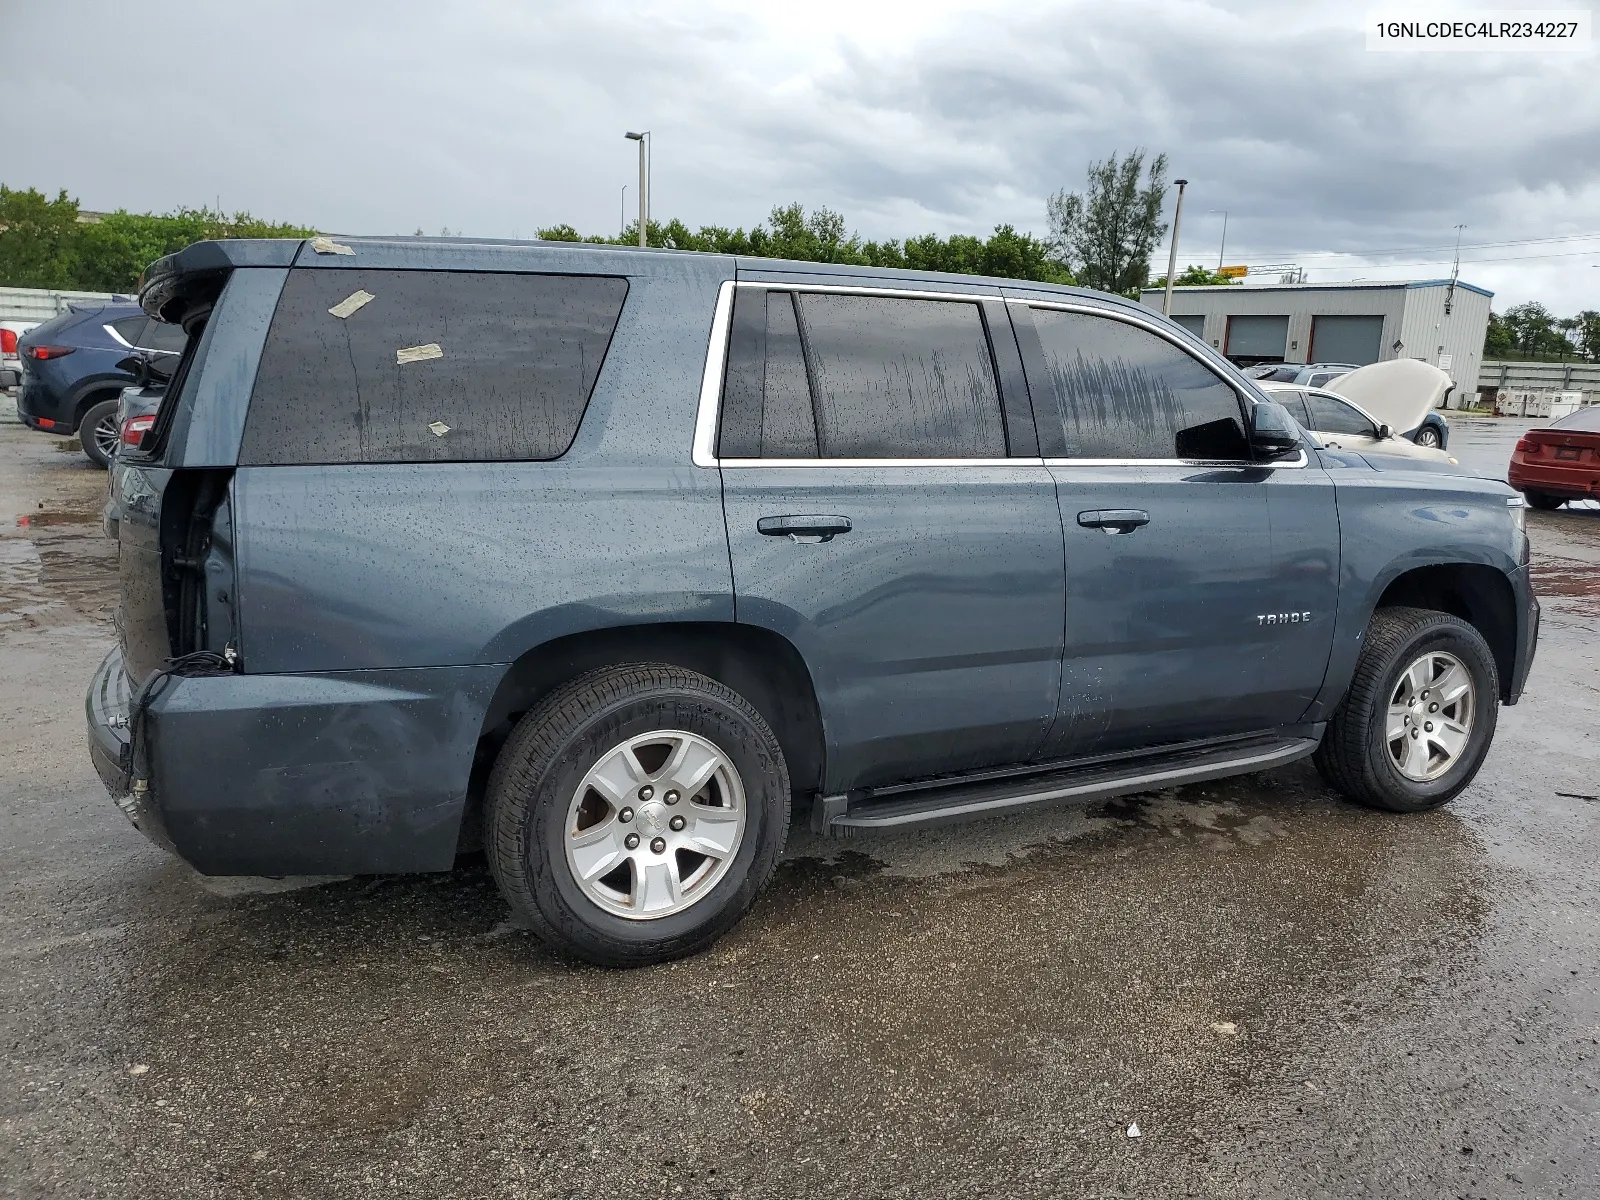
[1151, 966]
[48, 517]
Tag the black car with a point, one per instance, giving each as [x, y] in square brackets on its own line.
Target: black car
[73, 372]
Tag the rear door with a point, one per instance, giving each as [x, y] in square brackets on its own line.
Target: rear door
[1199, 590]
[888, 514]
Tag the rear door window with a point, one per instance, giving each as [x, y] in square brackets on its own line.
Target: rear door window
[1329, 415]
[766, 404]
[895, 377]
[1123, 392]
[158, 335]
[432, 366]
[130, 329]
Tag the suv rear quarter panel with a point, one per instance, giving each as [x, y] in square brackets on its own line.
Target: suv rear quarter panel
[415, 565]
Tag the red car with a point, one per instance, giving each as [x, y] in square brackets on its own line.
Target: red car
[1559, 462]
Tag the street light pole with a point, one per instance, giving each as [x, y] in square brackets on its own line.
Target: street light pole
[1172, 258]
[644, 183]
[1222, 249]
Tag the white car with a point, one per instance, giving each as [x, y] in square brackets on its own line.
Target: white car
[10, 360]
[1393, 396]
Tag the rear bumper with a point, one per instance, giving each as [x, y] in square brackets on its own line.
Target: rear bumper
[1527, 632]
[1573, 482]
[344, 773]
[41, 410]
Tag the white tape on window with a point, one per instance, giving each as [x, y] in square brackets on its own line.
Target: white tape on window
[326, 245]
[411, 354]
[352, 302]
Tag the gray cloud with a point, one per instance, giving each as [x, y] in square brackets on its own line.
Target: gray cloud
[495, 118]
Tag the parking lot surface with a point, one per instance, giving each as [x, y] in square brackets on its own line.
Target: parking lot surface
[1288, 996]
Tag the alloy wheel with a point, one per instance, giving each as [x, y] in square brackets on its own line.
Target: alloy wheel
[655, 824]
[1430, 716]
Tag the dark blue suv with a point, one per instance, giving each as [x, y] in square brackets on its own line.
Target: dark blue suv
[71, 372]
[604, 559]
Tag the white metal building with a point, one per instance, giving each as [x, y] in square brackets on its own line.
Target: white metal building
[1342, 322]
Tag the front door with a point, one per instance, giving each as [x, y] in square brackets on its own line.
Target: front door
[877, 520]
[1182, 622]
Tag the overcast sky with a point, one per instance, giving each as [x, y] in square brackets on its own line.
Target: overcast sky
[494, 118]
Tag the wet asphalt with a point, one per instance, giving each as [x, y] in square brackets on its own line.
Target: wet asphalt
[1289, 996]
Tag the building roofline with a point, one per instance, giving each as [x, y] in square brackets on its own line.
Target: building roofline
[1363, 284]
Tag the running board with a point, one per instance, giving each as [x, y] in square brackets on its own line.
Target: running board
[1099, 780]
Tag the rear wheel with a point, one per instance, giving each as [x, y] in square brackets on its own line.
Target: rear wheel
[98, 433]
[1417, 721]
[1544, 501]
[634, 814]
[1428, 436]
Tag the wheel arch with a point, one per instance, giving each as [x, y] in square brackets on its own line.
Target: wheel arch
[759, 664]
[1480, 595]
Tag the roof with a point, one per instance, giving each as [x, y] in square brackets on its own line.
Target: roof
[1355, 285]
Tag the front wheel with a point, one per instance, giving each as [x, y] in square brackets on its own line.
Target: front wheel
[1417, 721]
[635, 812]
[1544, 501]
[1428, 436]
[98, 433]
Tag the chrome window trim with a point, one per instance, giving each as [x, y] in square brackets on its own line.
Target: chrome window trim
[704, 452]
[882, 462]
[112, 330]
[1213, 464]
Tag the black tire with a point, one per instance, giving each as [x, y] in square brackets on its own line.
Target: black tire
[1428, 436]
[1544, 501]
[547, 756]
[103, 414]
[1354, 757]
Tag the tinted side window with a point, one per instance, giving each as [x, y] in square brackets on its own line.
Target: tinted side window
[158, 335]
[1296, 406]
[1124, 392]
[437, 366]
[766, 405]
[901, 378]
[130, 329]
[1335, 416]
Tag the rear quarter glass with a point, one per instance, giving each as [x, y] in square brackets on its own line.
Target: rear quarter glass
[517, 357]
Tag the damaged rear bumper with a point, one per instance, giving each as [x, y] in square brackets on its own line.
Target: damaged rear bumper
[343, 773]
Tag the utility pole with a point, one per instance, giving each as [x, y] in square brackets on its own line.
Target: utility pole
[1172, 258]
[1222, 249]
[644, 182]
[1455, 272]
[622, 213]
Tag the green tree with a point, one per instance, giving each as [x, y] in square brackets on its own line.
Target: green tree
[1532, 327]
[1499, 340]
[38, 239]
[1588, 334]
[1194, 276]
[1106, 235]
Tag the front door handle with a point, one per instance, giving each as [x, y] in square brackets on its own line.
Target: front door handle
[1114, 520]
[821, 529]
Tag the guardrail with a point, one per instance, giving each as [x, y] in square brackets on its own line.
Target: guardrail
[1496, 376]
[40, 304]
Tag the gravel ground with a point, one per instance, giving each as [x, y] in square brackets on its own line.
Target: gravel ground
[1290, 997]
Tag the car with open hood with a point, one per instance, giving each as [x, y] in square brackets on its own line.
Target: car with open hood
[1386, 398]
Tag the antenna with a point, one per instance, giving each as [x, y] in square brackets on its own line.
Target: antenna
[1455, 272]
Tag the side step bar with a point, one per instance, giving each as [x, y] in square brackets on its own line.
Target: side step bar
[1090, 781]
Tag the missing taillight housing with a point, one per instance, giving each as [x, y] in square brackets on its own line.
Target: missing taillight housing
[134, 429]
[45, 353]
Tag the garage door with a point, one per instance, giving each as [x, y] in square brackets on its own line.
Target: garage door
[1357, 340]
[1257, 339]
[1194, 324]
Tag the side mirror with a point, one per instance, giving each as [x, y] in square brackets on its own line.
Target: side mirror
[1273, 433]
[1384, 432]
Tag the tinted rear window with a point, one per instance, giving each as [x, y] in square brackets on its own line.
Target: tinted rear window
[158, 335]
[131, 329]
[1124, 392]
[437, 366]
[901, 378]
[1585, 419]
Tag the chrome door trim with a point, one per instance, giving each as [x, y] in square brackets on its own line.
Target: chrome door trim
[881, 462]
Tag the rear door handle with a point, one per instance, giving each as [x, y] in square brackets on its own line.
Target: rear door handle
[1114, 520]
[808, 527]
